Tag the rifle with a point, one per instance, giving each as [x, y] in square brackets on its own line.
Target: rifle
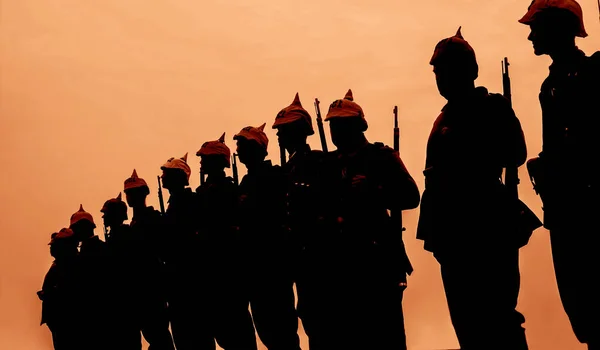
[201, 176]
[511, 174]
[160, 197]
[234, 169]
[397, 216]
[320, 125]
[396, 131]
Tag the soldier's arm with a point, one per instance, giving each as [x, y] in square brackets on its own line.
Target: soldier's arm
[400, 191]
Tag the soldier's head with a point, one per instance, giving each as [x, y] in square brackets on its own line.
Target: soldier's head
[455, 66]
[114, 212]
[63, 244]
[82, 224]
[136, 190]
[347, 122]
[215, 156]
[554, 24]
[293, 124]
[252, 143]
[176, 173]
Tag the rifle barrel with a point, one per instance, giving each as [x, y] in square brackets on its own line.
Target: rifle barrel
[320, 126]
[234, 169]
[161, 201]
[511, 174]
[396, 130]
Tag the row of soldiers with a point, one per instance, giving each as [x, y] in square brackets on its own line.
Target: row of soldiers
[330, 224]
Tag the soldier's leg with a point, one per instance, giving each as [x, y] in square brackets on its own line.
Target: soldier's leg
[482, 308]
[504, 319]
[273, 308]
[189, 332]
[155, 324]
[388, 326]
[313, 288]
[576, 265]
[234, 329]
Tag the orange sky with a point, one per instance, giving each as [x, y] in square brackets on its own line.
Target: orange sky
[90, 90]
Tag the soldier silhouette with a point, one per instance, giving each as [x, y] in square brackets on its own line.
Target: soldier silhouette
[130, 269]
[217, 198]
[189, 308]
[564, 174]
[268, 244]
[93, 284]
[146, 234]
[468, 218]
[59, 291]
[294, 125]
[360, 271]
[125, 327]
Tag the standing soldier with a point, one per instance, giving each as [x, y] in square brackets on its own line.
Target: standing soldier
[294, 125]
[564, 174]
[188, 288]
[217, 198]
[476, 135]
[59, 294]
[147, 231]
[123, 276]
[93, 282]
[361, 271]
[262, 217]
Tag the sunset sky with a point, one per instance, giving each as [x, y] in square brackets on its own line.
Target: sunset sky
[90, 90]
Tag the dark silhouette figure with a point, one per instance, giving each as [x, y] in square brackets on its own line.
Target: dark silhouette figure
[294, 125]
[217, 198]
[59, 292]
[188, 290]
[564, 174]
[145, 259]
[268, 245]
[93, 284]
[122, 261]
[468, 218]
[357, 269]
[130, 267]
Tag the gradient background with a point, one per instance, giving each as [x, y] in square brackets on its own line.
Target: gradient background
[90, 90]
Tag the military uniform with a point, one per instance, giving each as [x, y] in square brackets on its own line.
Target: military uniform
[124, 281]
[568, 182]
[268, 247]
[93, 284]
[357, 262]
[467, 217]
[303, 213]
[187, 280]
[146, 236]
[217, 204]
[59, 296]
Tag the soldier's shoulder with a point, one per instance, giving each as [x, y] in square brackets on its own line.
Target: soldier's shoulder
[382, 152]
[498, 100]
[594, 60]
[381, 147]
